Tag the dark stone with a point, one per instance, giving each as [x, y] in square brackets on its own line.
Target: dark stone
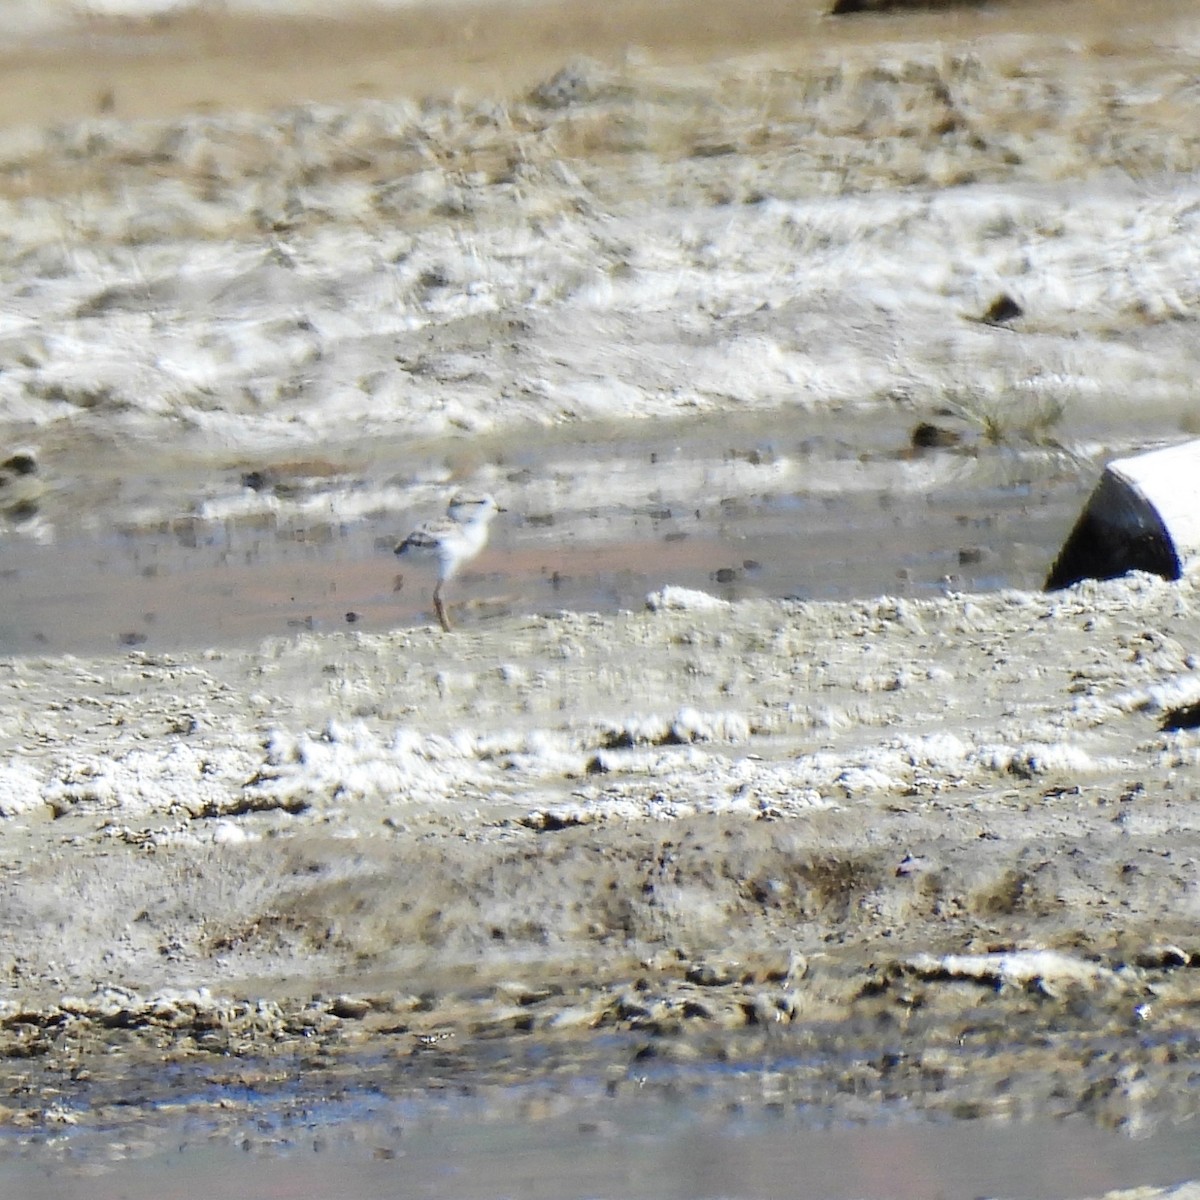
[927, 436]
[1187, 716]
[1117, 532]
[21, 463]
[1003, 308]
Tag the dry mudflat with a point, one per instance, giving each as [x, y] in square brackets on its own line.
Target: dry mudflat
[869, 857]
[857, 860]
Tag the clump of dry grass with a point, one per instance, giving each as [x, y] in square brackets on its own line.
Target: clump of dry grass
[1018, 416]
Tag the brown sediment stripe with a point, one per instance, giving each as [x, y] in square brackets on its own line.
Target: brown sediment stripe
[211, 61]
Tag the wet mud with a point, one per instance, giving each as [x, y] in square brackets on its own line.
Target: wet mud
[758, 781]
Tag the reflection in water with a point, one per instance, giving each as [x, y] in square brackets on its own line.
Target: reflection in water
[214, 555]
[626, 1152]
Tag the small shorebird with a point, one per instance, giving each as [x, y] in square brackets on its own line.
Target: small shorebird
[452, 541]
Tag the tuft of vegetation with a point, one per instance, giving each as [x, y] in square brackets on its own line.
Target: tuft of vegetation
[1019, 416]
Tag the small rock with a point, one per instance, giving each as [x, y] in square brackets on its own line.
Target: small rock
[349, 1008]
[1158, 958]
[679, 599]
[1001, 310]
[228, 833]
[579, 82]
[1187, 716]
[927, 436]
[21, 486]
[706, 974]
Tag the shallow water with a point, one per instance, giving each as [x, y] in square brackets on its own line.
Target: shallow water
[629, 1151]
[169, 554]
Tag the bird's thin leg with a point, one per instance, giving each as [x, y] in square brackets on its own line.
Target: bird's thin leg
[439, 608]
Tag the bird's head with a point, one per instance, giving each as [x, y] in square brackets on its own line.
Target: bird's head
[468, 508]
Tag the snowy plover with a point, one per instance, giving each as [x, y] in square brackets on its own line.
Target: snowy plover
[452, 541]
